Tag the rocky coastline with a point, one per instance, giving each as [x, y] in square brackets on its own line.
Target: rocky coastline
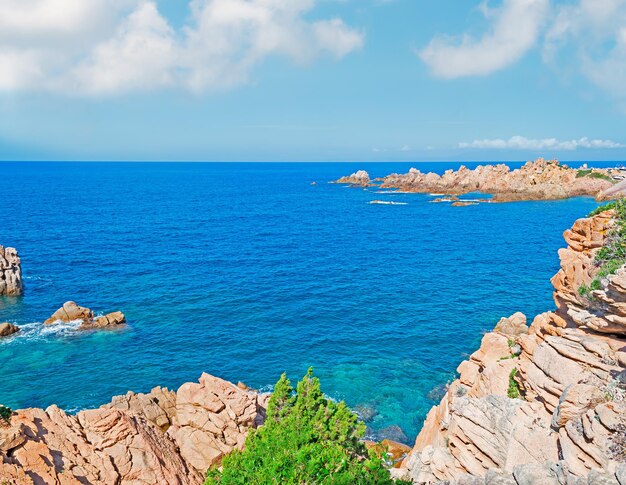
[538, 180]
[543, 403]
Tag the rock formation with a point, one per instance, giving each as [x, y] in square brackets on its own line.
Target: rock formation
[538, 180]
[360, 178]
[160, 437]
[8, 329]
[71, 312]
[544, 404]
[10, 272]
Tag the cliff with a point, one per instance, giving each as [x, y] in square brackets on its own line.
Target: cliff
[538, 180]
[540, 404]
[10, 272]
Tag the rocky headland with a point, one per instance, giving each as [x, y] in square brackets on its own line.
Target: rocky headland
[545, 403]
[538, 180]
[541, 404]
[10, 272]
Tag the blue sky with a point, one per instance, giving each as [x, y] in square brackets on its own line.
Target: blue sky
[312, 80]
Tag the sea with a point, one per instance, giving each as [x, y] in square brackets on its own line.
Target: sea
[249, 270]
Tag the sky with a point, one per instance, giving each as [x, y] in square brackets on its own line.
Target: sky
[312, 80]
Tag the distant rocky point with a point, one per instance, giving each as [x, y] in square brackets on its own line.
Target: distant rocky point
[360, 178]
[538, 180]
[10, 272]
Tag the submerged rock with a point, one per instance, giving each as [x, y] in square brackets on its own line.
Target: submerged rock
[11, 283]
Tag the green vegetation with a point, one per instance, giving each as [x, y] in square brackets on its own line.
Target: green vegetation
[513, 391]
[5, 413]
[582, 173]
[612, 256]
[306, 439]
[594, 175]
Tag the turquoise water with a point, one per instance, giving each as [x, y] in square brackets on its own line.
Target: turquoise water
[247, 270]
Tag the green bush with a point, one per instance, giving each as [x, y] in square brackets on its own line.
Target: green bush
[5, 413]
[594, 175]
[306, 439]
[513, 391]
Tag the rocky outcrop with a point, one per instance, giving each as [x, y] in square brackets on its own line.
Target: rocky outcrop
[11, 283]
[8, 329]
[212, 418]
[159, 437]
[539, 404]
[538, 180]
[360, 178]
[71, 312]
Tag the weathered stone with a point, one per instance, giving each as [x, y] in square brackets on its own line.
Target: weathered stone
[11, 283]
[70, 312]
[7, 329]
[512, 326]
[360, 178]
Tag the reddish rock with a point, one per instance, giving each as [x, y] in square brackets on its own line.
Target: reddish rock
[70, 312]
[11, 283]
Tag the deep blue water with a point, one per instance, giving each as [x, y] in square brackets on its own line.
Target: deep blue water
[247, 270]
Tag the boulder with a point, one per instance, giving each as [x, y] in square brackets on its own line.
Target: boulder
[109, 320]
[7, 329]
[512, 326]
[70, 312]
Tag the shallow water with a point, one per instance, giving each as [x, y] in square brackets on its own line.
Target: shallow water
[247, 270]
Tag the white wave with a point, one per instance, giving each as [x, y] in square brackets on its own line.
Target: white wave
[387, 202]
[39, 331]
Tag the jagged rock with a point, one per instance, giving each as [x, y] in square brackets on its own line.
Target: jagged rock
[109, 320]
[512, 326]
[212, 418]
[158, 406]
[11, 283]
[573, 401]
[7, 329]
[99, 447]
[538, 180]
[360, 178]
[159, 437]
[70, 312]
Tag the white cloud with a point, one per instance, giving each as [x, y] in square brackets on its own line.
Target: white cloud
[523, 143]
[595, 30]
[111, 46]
[515, 28]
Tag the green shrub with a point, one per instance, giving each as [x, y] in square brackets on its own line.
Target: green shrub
[5, 413]
[582, 173]
[513, 391]
[594, 175]
[306, 439]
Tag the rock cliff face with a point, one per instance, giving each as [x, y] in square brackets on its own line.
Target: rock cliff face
[544, 404]
[538, 180]
[160, 437]
[10, 272]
